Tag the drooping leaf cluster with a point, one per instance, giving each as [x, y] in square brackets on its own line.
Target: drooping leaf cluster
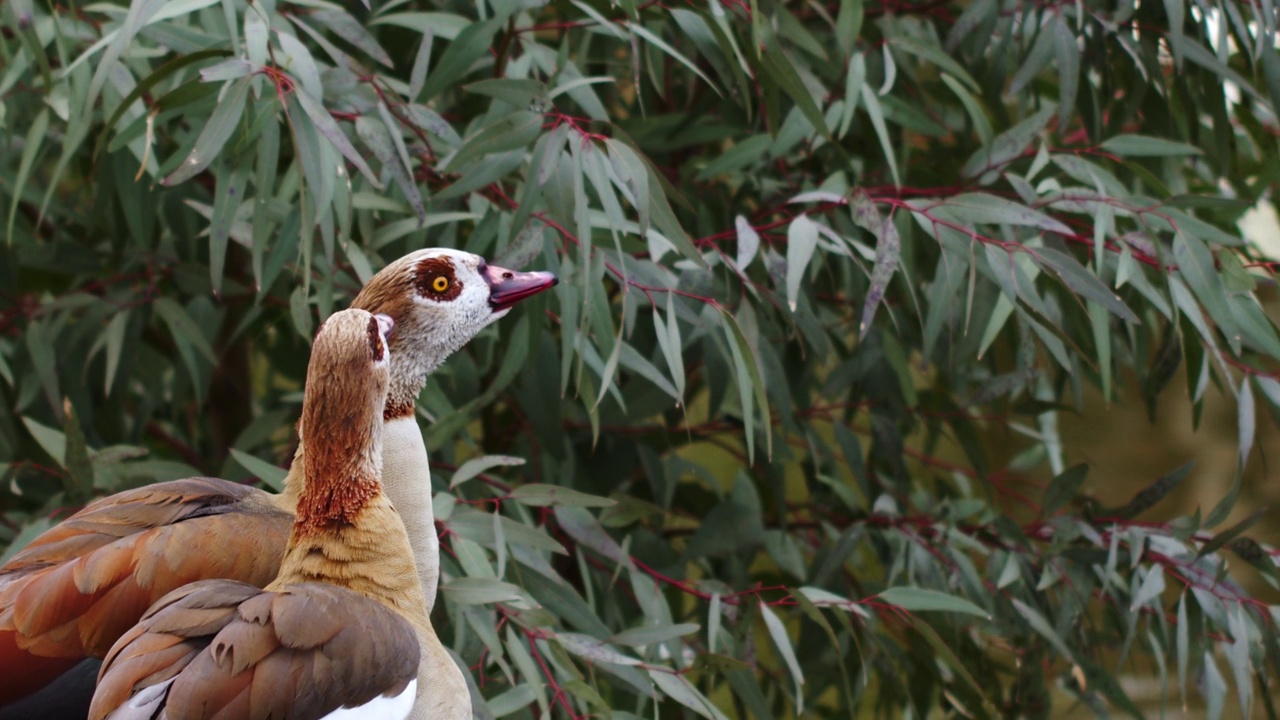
[819, 262]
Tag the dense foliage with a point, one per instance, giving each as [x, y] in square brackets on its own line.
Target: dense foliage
[831, 271]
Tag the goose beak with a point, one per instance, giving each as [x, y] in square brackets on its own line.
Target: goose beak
[508, 287]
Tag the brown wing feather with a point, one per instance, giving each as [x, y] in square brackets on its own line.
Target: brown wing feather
[234, 651]
[75, 589]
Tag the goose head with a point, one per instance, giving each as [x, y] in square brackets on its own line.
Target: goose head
[439, 299]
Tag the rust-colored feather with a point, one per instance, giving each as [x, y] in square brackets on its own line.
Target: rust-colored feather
[78, 587]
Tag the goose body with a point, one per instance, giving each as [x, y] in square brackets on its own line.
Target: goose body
[343, 627]
[72, 592]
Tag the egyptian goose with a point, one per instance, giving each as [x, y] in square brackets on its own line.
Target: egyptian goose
[343, 625]
[75, 589]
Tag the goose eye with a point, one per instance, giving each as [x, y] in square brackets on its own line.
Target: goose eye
[440, 284]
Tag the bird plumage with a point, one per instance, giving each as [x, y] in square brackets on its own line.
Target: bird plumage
[342, 624]
[75, 589]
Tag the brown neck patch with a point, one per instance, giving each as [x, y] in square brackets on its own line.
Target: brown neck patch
[397, 409]
[335, 504]
[341, 428]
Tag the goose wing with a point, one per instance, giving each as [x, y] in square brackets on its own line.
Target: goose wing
[75, 589]
[224, 649]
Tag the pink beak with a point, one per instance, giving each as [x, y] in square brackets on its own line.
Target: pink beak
[508, 287]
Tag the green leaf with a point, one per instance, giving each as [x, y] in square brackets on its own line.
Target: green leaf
[1042, 626]
[469, 45]
[1231, 533]
[1066, 53]
[270, 475]
[51, 441]
[545, 495]
[40, 346]
[1150, 589]
[874, 111]
[231, 184]
[778, 67]
[654, 634]
[150, 81]
[596, 651]
[585, 529]
[79, 478]
[1246, 419]
[480, 591]
[778, 632]
[328, 127]
[953, 661]
[984, 208]
[661, 44]
[1147, 497]
[183, 328]
[1084, 283]
[1063, 488]
[1147, 146]
[748, 378]
[514, 131]
[888, 254]
[222, 123]
[923, 599]
[802, 239]
[478, 466]
[682, 691]
[521, 93]
[1007, 145]
[348, 28]
[936, 56]
[377, 135]
[114, 340]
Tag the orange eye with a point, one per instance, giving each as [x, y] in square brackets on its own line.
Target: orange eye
[440, 284]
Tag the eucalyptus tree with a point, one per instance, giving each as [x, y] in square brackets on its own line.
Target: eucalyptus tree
[784, 441]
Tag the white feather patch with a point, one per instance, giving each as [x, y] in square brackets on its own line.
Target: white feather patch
[381, 707]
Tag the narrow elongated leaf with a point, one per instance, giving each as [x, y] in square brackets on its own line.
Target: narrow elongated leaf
[215, 134]
[1083, 282]
[544, 495]
[271, 475]
[923, 599]
[749, 378]
[778, 632]
[53, 442]
[876, 113]
[328, 127]
[376, 134]
[348, 28]
[662, 45]
[1042, 626]
[1147, 146]
[888, 253]
[679, 689]
[466, 47]
[802, 239]
[653, 634]
[480, 591]
[748, 243]
[478, 466]
[1007, 145]
[1063, 488]
[513, 131]
[593, 650]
